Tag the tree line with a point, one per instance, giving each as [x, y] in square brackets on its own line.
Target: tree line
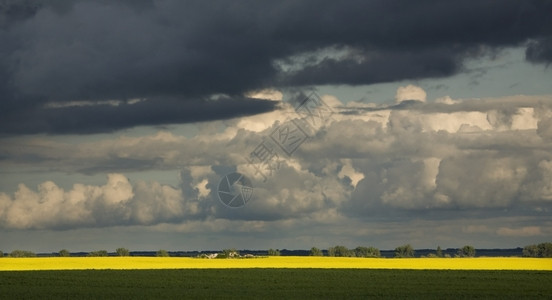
[540, 250]
[118, 252]
[403, 251]
[67, 253]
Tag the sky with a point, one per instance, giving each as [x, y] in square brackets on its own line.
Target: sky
[119, 120]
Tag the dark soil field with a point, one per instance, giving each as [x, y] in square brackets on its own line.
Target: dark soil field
[275, 284]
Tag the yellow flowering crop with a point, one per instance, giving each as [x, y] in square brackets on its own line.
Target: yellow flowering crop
[83, 263]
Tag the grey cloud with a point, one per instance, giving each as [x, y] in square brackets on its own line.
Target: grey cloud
[505, 107]
[480, 181]
[380, 135]
[163, 151]
[413, 169]
[490, 182]
[122, 164]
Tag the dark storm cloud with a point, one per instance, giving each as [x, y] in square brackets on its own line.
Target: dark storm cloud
[382, 67]
[107, 117]
[540, 51]
[55, 51]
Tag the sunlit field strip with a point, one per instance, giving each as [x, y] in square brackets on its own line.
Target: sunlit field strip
[121, 263]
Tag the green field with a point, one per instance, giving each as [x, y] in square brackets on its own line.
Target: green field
[275, 284]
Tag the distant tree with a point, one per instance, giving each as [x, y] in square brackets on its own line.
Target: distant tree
[466, 251]
[361, 251]
[64, 253]
[366, 252]
[545, 249]
[162, 253]
[122, 252]
[272, 252]
[98, 253]
[340, 251]
[404, 251]
[1, 254]
[531, 251]
[540, 250]
[316, 252]
[22, 253]
[447, 255]
[439, 252]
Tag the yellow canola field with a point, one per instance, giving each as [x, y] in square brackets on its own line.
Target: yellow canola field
[121, 263]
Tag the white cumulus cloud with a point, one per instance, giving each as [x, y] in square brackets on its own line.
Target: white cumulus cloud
[118, 202]
[410, 92]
